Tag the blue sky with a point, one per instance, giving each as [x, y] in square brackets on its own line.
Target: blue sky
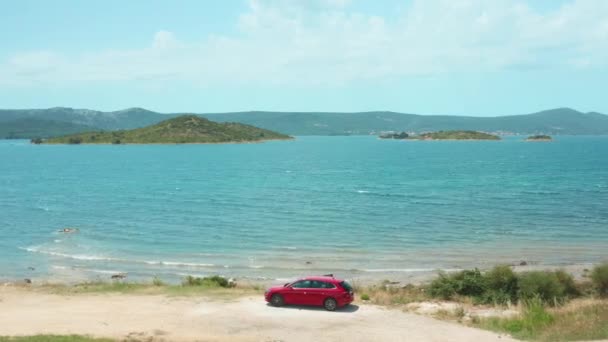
[467, 57]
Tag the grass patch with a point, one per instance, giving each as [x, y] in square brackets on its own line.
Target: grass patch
[527, 326]
[585, 320]
[191, 286]
[53, 338]
[387, 294]
[580, 322]
[214, 281]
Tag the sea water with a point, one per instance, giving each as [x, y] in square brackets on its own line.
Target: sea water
[353, 206]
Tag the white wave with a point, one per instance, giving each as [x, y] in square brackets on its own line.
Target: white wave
[36, 249]
[363, 191]
[178, 263]
[192, 275]
[256, 266]
[284, 279]
[410, 270]
[57, 267]
[101, 271]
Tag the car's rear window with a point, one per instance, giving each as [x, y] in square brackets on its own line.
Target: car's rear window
[346, 286]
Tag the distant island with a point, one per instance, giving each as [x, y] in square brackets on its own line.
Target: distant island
[186, 129]
[59, 121]
[400, 136]
[455, 135]
[539, 138]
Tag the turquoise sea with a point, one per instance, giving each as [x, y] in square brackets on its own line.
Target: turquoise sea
[358, 207]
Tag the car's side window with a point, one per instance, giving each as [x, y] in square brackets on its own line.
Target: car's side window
[316, 284]
[325, 285]
[302, 284]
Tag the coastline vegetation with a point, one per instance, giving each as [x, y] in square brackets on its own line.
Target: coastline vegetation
[215, 286]
[186, 129]
[549, 305]
[399, 136]
[455, 135]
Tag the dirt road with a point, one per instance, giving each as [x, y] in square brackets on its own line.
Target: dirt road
[162, 318]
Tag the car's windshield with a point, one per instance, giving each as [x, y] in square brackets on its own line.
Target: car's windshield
[346, 286]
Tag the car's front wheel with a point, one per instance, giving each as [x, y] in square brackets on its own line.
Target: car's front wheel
[277, 300]
[330, 304]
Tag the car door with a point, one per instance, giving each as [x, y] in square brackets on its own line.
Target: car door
[317, 292]
[297, 294]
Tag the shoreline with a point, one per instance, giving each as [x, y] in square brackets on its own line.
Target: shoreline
[396, 277]
[169, 143]
[224, 311]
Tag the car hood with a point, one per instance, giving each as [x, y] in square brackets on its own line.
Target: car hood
[275, 288]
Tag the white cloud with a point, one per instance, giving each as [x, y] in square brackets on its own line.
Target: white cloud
[164, 40]
[293, 42]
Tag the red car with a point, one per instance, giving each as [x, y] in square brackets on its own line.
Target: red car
[326, 291]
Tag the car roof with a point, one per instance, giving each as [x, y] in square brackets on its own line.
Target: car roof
[323, 278]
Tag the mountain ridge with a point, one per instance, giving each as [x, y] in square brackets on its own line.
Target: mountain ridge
[66, 119]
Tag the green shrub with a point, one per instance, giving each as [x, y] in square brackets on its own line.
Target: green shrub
[157, 282]
[214, 281]
[502, 285]
[545, 285]
[599, 277]
[470, 283]
[567, 281]
[442, 286]
[464, 283]
[364, 296]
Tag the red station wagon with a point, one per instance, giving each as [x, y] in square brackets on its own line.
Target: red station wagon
[326, 291]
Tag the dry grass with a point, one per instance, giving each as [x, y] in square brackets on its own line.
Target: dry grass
[153, 288]
[580, 320]
[584, 319]
[388, 294]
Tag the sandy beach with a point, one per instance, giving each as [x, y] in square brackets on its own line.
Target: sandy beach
[247, 318]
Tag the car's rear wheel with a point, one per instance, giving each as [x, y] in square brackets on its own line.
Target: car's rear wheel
[277, 300]
[330, 304]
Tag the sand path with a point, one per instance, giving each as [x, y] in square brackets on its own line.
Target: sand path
[162, 318]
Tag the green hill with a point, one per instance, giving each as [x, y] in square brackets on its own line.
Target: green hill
[551, 122]
[539, 138]
[187, 129]
[38, 128]
[456, 135]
